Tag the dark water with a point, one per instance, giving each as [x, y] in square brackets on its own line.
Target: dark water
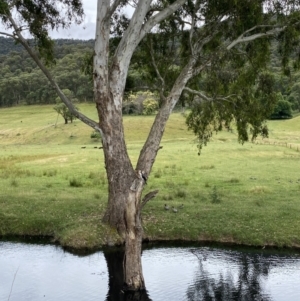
[45, 272]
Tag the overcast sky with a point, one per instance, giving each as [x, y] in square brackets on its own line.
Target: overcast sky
[85, 30]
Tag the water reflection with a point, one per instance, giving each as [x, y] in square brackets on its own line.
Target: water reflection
[114, 260]
[242, 285]
[46, 272]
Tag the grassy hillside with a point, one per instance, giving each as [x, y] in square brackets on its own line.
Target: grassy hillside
[51, 185]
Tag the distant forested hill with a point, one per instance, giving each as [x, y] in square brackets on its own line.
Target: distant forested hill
[21, 81]
[8, 45]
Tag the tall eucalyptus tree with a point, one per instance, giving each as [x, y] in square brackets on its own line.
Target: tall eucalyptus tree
[221, 50]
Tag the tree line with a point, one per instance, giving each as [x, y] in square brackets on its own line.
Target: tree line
[22, 82]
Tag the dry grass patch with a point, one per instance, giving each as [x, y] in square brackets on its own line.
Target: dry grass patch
[259, 189]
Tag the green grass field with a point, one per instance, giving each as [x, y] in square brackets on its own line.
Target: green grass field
[53, 183]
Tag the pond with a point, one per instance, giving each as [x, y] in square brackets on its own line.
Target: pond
[36, 272]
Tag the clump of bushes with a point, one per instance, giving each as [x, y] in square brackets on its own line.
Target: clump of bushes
[14, 183]
[215, 196]
[181, 193]
[95, 135]
[50, 173]
[283, 109]
[140, 103]
[75, 182]
[158, 174]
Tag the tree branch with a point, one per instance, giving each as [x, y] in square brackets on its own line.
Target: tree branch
[7, 34]
[193, 25]
[113, 7]
[151, 146]
[148, 197]
[157, 71]
[198, 93]
[162, 15]
[243, 39]
[130, 39]
[206, 98]
[46, 72]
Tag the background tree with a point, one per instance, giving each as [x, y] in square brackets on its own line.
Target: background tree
[294, 96]
[221, 60]
[283, 109]
[62, 109]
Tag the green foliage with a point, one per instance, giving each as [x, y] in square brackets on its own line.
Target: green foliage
[140, 103]
[39, 16]
[75, 182]
[150, 106]
[23, 82]
[294, 96]
[62, 109]
[14, 183]
[95, 135]
[215, 196]
[158, 174]
[50, 173]
[180, 193]
[283, 110]
[251, 102]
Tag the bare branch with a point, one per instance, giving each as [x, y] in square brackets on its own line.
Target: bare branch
[161, 16]
[129, 40]
[206, 98]
[113, 7]
[148, 197]
[7, 34]
[193, 25]
[198, 69]
[198, 93]
[243, 39]
[151, 146]
[157, 71]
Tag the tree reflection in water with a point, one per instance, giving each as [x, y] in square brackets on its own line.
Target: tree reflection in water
[114, 260]
[247, 286]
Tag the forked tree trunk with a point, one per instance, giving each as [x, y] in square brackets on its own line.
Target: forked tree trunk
[127, 218]
[125, 187]
[133, 239]
[125, 184]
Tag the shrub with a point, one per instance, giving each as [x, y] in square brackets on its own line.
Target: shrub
[167, 197]
[50, 173]
[181, 193]
[97, 196]
[150, 106]
[283, 110]
[158, 174]
[95, 135]
[130, 108]
[207, 167]
[215, 197]
[75, 183]
[140, 103]
[14, 183]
